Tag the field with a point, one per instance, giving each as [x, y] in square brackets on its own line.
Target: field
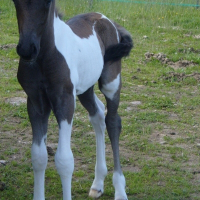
[160, 108]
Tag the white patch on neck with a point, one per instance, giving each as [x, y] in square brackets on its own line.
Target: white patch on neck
[104, 17]
[83, 55]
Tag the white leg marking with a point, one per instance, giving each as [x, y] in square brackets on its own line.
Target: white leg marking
[39, 161]
[64, 158]
[98, 123]
[111, 88]
[119, 184]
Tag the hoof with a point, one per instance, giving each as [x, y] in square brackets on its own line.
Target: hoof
[95, 193]
[121, 199]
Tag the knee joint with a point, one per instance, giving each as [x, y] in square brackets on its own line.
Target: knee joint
[64, 163]
[99, 117]
[39, 156]
[113, 121]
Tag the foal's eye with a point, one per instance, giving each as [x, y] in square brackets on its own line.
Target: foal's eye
[48, 3]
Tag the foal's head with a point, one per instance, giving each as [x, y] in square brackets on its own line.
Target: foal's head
[32, 16]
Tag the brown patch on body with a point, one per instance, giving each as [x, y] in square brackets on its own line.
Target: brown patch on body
[82, 25]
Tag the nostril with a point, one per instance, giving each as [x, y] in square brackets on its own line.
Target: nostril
[33, 49]
[27, 51]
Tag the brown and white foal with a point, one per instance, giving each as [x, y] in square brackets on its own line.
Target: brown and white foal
[59, 61]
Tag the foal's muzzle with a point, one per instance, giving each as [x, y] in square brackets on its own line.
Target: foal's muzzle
[27, 53]
[28, 48]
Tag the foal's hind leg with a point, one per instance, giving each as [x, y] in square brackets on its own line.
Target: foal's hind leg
[110, 85]
[96, 114]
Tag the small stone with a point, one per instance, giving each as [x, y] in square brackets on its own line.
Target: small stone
[3, 162]
[129, 108]
[145, 37]
[196, 36]
[198, 145]
[136, 103]
[163, 142]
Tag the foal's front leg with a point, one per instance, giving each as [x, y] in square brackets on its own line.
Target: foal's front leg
[63, 107]
[64, 159]
[38, 150]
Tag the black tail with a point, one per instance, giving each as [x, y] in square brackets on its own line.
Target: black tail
[117, 51]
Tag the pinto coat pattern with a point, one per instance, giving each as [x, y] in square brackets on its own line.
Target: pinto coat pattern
[59, 61]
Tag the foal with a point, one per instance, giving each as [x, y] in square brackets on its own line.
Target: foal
[59, 61]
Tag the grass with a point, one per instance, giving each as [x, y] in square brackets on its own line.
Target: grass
[158, 144]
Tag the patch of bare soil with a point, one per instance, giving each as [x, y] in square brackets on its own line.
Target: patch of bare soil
[133, 105]
[196, 36]
[181, 76]
[191, 164]
[14, 140]
[8, 46]
[159, 136]
[16, 100]
[131, 168]
[164, 60]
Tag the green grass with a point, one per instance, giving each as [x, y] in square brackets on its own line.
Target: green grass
[159, 137]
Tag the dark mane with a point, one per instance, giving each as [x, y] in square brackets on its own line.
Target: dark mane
[58, 13]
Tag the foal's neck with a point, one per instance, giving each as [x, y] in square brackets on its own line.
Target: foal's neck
[47, 40]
